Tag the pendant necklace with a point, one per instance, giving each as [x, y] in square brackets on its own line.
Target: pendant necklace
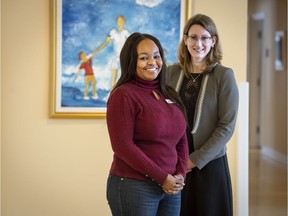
[194, 79]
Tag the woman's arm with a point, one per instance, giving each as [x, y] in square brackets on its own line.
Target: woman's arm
[227, 108]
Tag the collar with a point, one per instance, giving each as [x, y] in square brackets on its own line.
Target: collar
[154, 84]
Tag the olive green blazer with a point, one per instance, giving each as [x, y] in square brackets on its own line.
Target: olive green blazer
[215, 114]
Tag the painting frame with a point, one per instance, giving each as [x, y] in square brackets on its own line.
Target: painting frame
[56, 58]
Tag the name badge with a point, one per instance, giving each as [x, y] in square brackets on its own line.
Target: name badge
[169, 101]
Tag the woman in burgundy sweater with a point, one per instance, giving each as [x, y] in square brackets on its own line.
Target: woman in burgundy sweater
[147, 128]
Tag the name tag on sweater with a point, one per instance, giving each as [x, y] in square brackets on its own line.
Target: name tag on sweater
[169, 101]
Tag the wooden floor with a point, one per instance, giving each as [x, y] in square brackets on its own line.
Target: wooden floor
[267, 186]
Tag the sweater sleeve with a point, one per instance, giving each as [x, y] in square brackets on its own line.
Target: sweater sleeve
[121, 117]
[182, 149]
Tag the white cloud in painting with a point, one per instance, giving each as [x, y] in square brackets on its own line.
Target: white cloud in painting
[149, 3]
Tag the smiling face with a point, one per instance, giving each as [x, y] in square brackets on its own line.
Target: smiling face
[199, 42]
[149, 61]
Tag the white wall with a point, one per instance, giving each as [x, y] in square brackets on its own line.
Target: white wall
[58, 167]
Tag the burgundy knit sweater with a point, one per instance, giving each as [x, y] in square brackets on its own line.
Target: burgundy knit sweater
[147, 135]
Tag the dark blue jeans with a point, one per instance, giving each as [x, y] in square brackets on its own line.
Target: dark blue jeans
[132, 197]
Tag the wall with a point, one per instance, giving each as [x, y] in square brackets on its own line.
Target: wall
[0, 99]
[273, 124]
[50, 167]
[58, 167]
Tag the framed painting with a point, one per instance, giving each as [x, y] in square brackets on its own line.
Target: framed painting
[86, 40]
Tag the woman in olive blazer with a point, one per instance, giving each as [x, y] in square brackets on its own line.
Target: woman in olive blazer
[216, 112]
[210, 95]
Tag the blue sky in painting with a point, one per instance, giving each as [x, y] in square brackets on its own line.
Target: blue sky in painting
[87, 23]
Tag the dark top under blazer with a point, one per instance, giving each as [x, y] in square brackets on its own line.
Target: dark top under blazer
[215, 114]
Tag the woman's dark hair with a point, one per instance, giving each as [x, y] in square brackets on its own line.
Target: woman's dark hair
[215, 54]
[128, 62]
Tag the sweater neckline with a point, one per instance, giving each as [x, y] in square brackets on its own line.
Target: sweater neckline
[153, 84]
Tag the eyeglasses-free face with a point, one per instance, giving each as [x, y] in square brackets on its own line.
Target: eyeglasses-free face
[149, 62]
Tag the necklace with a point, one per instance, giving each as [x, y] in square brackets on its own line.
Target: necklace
[194, 79]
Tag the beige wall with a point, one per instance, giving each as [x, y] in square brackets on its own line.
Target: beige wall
[0, 99]
[58, 167]
[273, 124]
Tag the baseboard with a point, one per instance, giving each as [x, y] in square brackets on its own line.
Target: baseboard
[274, 155]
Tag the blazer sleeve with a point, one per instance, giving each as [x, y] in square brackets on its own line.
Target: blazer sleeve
[226, 110]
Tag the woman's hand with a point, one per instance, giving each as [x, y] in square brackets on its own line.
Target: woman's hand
[173, 184]
[191, 165]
